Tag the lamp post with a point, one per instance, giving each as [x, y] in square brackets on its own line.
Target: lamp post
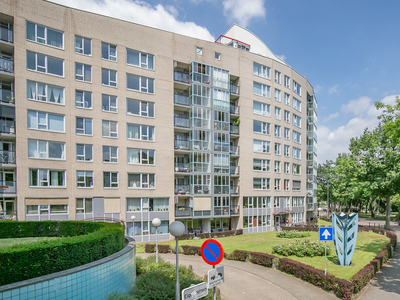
[327, 200]
[133, 226]
[319, 216]
[176, 229]
[156, 222]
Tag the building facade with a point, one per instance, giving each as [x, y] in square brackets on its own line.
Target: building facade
[107, 119]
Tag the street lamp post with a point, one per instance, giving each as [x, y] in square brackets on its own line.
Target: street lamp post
[156, 222]
[176, 229]
[319, 216]
[327, 201]
[133, 226]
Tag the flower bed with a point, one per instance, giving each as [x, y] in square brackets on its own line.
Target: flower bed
[301, 248]
[292, 234]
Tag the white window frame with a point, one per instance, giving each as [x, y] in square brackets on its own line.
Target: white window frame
[264, 145]
[286, 186]
[82, 50]
[141, 133]
[296, 168]
[296, 153]
[265, 71]
[265, 109]
[86, 174]
[286, 133]
[46, 97]
[44, 69]
[277, 131]
[286, 99]
[142, 113]
[265, 184]
[286, 150]
[83, 103]
[43, 40]
[84, 129]
[276, 202]
[287, 81]
[265, 127]
[277, 148]
[45, 154]
[144, 181]
[286, 167]
[82, 210]
[296, 120]
[296, 88]
[265, 165]
[111, 83]
[296, 137]
[286, 116]
[46, 124]
[141, 160]
[81, 77]
[277, 95]
[265, 90]
[142, 89]
[277, 77]
[277, 111]
[111, 108]
[277, 166]
[47, 179]
[84, 152]
[113, 184]
[141, 55]
[109, 57]
[296, 104]
[112, 159]
[112, 134]
[277, 184]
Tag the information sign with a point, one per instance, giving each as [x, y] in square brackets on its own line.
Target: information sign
[326, 234]
[215, 277]
[195, 291]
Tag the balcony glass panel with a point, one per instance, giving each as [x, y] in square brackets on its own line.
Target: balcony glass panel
[6, 35]
[6, 65]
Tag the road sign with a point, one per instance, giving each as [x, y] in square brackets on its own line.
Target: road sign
[326, 234]
[215, 277]
[195, 291]
[212, 252]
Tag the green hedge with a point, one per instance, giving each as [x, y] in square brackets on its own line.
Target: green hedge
[83, 242]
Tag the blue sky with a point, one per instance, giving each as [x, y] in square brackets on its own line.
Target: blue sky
[348, 50]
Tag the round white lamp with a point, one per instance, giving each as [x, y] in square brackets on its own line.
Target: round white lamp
[156, 222]
[177, 229]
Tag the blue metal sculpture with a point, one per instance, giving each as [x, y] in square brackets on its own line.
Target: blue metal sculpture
[345, 228]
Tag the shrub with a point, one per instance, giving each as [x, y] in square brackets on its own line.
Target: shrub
[239, 255]
[239, 231]
[164, 249]
[151, 248]
[301, 248]
[262, 259]
[362, 277]
[290, 234]
[204, 235]
[191, 250]
[186, 236]
[344, 289]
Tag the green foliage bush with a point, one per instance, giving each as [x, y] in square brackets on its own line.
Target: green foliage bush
[26, 261]
[292, 234]
[301, 248]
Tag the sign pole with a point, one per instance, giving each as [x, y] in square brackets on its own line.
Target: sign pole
[325, 258]
[215, 296]
[177, 297]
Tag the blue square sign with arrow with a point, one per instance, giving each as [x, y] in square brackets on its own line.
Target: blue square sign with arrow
[326, 234]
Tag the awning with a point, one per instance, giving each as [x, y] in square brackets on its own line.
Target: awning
[283, 212]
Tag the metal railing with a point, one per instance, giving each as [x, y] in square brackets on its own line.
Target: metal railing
[182, 167]
[183, 211]
[181, 77]
[6, 96]
[221, 211]
[7, 157]
[182, 189]
[234, 150]
[6, 65]
[7, 187]
[234, 129]
[221, 190]
[7, 126]
[181, 144]
[235, 210]
[181, 99]
[234, 89]
[181, 122]
[234, 170]
[234, 190]
[234, 109]
[6, 35]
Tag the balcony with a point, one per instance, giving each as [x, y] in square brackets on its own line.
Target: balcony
[201, 189]
[181, 99]
[181, 77]
[183, 211]
[234, 129]
[234, 170]
[234, 150]
[221, 190]
[312, 135]
[6, 96]
[181, 145]
[7, 127]
[182, 189]
[311, 206]
[234, 109]
[6, 35]
[221, 211]
[182, 168]
[6, 65]
[311, 148]
[234, 89]
[7, 157]
[181, 122]
[234, 190]
[7, 187]
[221, 148]
[235, 209]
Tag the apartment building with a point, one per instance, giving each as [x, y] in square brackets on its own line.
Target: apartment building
[103, 119]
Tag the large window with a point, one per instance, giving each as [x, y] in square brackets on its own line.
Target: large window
[261, 70]
[277, 149]
[110, 129]
[296, 137]
[83, 72]
[110, 179]
[263, 165]
[261, 184]
[83, 126]
[261, 127]
[296, 153]
[46, 178]
[147, 204]
[261, 108]
[108, 77]
[45, 210]
[296, 120]
[286, 133]
[287, 81]
[140, 132]
[84, 152]
[278, 77]
[257, 202]
[110, 154]
[83, 45]
[139, 59]
[45, 121]
[141, 181]
[45, 92]
[108, 51]
[84, 205]
[277, 95]
[261, 89]
[44, 35]
[140, 83]
[83, 99]
[296, 88]
[139, 108]
[277, 168]
[286, 116]
[277, 113]
[286, 150]
[296, 169]
[46, 149]
[84, 179]
[277, 131]
[296, 104]
[298, 201]
[296, 185]
[261, 146]
[44, 63]
[109, 103]
[141, 156]
[287, 99]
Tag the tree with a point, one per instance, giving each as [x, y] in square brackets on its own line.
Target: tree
[325, 176]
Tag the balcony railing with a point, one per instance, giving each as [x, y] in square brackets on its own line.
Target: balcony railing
[7, 187]
[201, 189]
[7, 157]
[183, 211]
[6, 35]
[222, 148]
[221, 190]
[181, 99]
[6, 96]
[181, 122]
[234, 150]
[312, 135]
[235, 210]
[221, 211]
[181, 144]
[182, 167]
[234, 129]
[7, 126]
[234, 170]
[235, 190]
[234, 89]
[182, 189]
[234, 109]
[6, 65]
[181, 77]
[311, 206]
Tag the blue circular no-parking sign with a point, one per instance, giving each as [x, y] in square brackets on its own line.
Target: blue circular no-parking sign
[212, 252]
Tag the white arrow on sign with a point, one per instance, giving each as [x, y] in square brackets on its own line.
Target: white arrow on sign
[326, 234]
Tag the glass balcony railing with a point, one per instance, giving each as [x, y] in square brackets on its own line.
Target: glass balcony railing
[6, 35]
[234, 109]
[221, 211]
[181, 122]
[183, 211]
[235, 190]
[7, 187]
[222, 148]
[221, 190]
[6, 65]
[181, 77]
[7, 157]
[182, 167]
[7, 127]
[181, 99]
[234, 129]
[234, 170]
[181, 144]
[182, 189]
[201, 189]
[234, 150]
[6, 96]
[235, 209]
[234, 89]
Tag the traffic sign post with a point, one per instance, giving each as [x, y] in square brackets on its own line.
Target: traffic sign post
[212, 253]
[325, 234]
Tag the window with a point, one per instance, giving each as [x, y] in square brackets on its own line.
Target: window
[217, 55]
[45, 121]
[83, 99]
[297, 186]
[286, 186]
[277, 95]
[286, 168]
[220, 79]
[261, 146]
[277, 113]
[108, 77]
[139, 108]
[141, 156]
[296, 104]
[296, 88]
[296, 153]
[277, 166]
[296, 137]
[44, 63]
[277, 149]
[140, 83]
[296, 120]
[286, 133]
[110, 129]
[140, 59]
[84, 179]
[262, 89]
[84, 152]
[148, 204]
[110, 154]
[84, 206]
[44, 209]
[287, 81]
[140, 132]
[261, 70]
[261, 108]
[46, 178]
[277, 131]
[141, 181]
[83, 126]
[277, 77]
[109, 103]
[110, 179]
[261, 127]
[261, 184]
[276, 202]
[296, 169]
[297, 201]
[108, 51]
[286, 99]
[46, 149]
[286, 116]
[286, 150]
[45, 92]
[199, 51]
[277, 184]
[83, 72]
[44, 35]
[83, 45]
[261, 165]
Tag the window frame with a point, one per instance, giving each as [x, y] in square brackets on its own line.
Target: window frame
[110, 177]
[140, 54]
[111, 159]
[112, 134]
[108, 55]
[45, 66]
[47, 93]
[38, 149]
[84, 119]
[141, 102]
[265, 184]
[84, 99]
[83, 39]
[141, 90]
[140, 156]
[83, 75]
[84, 152]
[264, 145]
[108, 98]
[45, 38]
[47, 121]
[47, 179]
[141, 132]
[142, 183]
[264, 163]
[108, 81]
[86, 175]
[265, 127]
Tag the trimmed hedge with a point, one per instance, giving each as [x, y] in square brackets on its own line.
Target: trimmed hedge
[151, 248]
[26, 261]
[209, 235]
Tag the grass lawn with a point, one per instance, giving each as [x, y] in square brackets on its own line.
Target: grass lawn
[378, 217]
[5, 243]
[369, 244]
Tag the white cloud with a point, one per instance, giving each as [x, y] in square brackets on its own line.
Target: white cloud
[330, 117]
[334, 141]
[142, 13]
[357, 106]
[318, 89]
[243, 11]
[333, 89]
[282, 57]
